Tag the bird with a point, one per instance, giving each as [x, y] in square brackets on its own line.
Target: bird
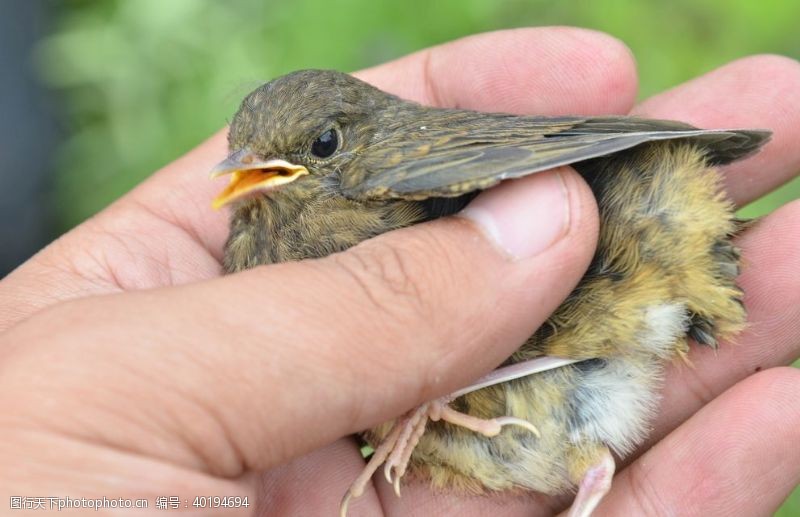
[320, 161]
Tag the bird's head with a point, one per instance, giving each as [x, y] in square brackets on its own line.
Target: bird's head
[298, 131]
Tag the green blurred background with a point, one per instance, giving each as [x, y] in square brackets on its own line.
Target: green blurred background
[139, 83]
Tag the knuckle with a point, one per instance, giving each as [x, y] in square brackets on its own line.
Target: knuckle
[391, 280]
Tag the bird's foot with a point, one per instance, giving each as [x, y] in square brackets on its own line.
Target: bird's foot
[395, 450]
[593, 487]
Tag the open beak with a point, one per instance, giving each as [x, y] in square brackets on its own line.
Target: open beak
[250, 174]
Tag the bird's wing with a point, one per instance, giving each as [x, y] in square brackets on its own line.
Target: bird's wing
[476, 153]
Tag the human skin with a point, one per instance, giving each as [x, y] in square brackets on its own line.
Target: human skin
[129, 369]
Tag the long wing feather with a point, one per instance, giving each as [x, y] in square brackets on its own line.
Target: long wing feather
[449, 153]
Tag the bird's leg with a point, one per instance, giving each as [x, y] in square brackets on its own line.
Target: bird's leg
[487, 427]
[594, 486]
[396, 449]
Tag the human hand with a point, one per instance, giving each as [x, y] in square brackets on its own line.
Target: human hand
[199, 382]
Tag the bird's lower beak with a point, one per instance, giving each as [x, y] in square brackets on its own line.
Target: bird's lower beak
[250, 174]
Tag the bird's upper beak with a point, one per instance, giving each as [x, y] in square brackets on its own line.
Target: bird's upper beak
[251, 173]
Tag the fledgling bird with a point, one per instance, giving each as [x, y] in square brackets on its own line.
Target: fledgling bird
[321, 161]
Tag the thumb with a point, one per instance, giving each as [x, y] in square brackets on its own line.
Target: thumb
[266, 364]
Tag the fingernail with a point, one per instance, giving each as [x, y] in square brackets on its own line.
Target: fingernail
[523, 217]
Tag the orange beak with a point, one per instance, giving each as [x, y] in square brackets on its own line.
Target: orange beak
[250, 174]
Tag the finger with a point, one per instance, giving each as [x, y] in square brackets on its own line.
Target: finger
[133, 244]
[543, 71]
[166, 223]
[81, 470]
[261, 366]
[737, 456]
[772, 336]
[313, 484]
[755, 92]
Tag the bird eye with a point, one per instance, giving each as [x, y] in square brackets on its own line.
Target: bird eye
[325, 144]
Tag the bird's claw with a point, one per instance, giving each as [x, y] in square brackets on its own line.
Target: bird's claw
[510, 420]
[396, 449]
